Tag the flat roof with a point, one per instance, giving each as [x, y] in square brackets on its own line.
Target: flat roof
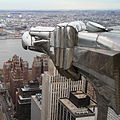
[78, 112]
[30, 89]
[22, 98]
[36, 101]
[23, 103]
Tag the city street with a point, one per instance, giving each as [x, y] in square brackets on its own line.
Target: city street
[5, 108]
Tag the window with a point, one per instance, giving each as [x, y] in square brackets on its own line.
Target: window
[68, 117]
[72, 118]
[61, 112]
[65, 111]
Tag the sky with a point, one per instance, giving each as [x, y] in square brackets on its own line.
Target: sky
[58, 4]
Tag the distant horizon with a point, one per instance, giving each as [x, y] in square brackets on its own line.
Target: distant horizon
[52, 5]
[57, 9]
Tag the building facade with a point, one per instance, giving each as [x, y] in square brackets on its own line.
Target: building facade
[40, 64]
[55, 86]
[16, 77]
[6, 73]
[23, 104]
[15, 74]
[36, 67]
[36, 108]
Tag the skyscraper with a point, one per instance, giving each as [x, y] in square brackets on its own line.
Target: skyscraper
[53, 88]
[40, 64]
[36, 67]
[15, 73]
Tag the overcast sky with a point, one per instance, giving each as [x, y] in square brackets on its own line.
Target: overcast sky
[58, 4]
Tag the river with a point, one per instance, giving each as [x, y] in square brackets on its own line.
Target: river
[11, 47]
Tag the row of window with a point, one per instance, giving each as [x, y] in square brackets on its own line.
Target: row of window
[63, 113]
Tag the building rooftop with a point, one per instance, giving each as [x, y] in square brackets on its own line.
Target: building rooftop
[37, 101]
[78, 112]
[31, 86]
[23, 98]
[29, 89]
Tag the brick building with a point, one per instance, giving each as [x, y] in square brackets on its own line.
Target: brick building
[40, 64]
[16, 76]
[6, 73]
[15, 73]
[36, 67]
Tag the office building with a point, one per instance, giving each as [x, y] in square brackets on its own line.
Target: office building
[78, 106]
[6, 73]
[16, 77]
[40, 64]
[54, 87]
[23, 99]
[10, 69]
[36, 107]
[36, 67]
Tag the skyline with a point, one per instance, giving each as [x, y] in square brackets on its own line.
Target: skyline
[59, 5]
